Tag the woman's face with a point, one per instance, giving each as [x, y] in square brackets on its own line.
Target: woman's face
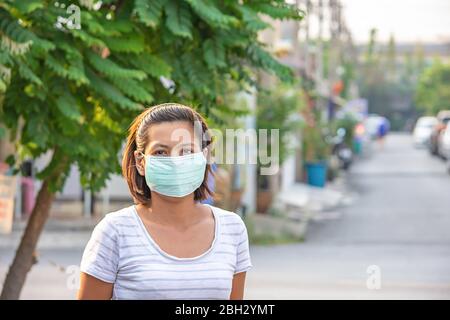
[172, 139]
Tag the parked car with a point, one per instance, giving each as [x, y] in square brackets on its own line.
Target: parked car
[444, 146]
[443, 117]
[422, 130]
[444, 143]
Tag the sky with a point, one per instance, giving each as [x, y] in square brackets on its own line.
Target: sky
[408, 20]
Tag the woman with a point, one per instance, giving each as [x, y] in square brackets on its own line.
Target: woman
[168, 245]
[383, 127]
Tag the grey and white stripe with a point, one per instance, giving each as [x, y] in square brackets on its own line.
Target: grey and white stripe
[122, 252]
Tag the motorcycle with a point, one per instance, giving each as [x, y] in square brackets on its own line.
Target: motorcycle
[341, 150]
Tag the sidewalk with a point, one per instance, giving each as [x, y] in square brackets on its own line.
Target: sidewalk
[302, 198]
[57, 233]
[62, 224]
[294, 208]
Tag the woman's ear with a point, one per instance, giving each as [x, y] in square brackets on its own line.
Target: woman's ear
[140, 162]
[207, 153]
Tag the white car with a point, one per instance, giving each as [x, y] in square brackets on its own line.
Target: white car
[444, 143]
[422, 130]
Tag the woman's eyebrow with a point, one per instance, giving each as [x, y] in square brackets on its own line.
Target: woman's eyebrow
[187, 144]
[158, 145]
[161, 145]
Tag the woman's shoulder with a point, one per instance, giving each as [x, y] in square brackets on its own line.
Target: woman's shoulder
[229, 219]
[114, 220]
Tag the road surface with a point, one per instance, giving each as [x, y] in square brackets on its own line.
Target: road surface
[398, 227]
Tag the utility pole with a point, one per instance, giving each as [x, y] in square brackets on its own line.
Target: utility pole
[304, 72]
[295, 40]
[306, 50]
[319, 52]
[334, 51]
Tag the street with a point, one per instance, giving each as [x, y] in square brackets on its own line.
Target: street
[398, 223]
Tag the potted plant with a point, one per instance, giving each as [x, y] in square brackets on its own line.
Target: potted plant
[316, 152]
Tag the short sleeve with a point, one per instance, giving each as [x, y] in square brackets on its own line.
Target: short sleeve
[101, 256]
[243, 260]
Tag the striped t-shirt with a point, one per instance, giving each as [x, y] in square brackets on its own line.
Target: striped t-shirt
[122, 252]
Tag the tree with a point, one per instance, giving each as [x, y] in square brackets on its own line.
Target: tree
[371, 72]
[433, 89]
[73, 91]
[391, 60]
[388, 80]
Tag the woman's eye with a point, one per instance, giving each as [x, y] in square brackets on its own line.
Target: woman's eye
[159, 153]
[186, 151]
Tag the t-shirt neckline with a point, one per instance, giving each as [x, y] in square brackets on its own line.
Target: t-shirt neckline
[164, 253]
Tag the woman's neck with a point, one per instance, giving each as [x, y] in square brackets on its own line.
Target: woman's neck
[171, 211]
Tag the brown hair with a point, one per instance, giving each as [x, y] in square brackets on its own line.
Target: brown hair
[137, 140]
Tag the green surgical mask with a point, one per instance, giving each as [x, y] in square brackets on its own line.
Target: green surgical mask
[175, 176]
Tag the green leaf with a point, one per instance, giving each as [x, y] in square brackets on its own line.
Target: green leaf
[214, 53]
[110, 68]
[149, 11]
[252, 19]
[127, 43]
[27, 6]
[110, 92]
[133, 89]
[68, 106]
[87, 38]
[178, 18]
[2, 86]
[28, 74]
[211, 14]
[151, 64]
[119, 26]
[37, 126]
[197, 76]
[13, 29]
[54, 64]
[263, 59]
[278, 10]
[73, 71]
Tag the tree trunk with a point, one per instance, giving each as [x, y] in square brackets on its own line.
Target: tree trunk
[25, 257]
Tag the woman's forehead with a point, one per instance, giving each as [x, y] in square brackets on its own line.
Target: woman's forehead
[172, 133]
